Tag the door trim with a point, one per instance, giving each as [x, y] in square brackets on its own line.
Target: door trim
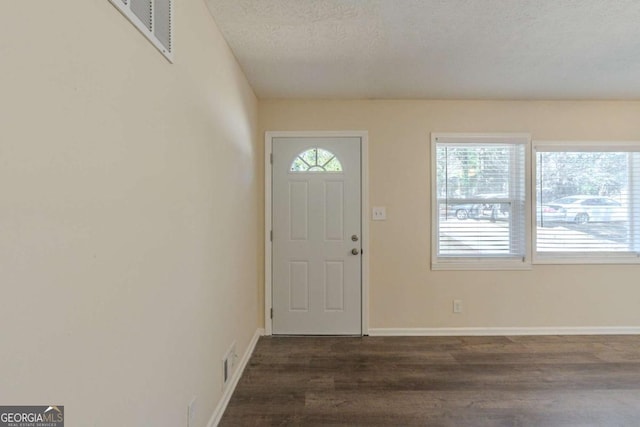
[364, 209]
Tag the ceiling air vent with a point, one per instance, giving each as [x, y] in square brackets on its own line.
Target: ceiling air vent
[153, 18]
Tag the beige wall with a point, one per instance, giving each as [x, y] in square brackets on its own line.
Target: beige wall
[405, 293]
[129, 245]
[131, 213]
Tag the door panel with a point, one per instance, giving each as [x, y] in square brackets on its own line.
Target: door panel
[334, 285]
[298, 286]
[316, 208]
[299, 203]
[334, 210]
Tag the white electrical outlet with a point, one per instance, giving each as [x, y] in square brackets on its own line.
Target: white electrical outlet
[191, 413]
[457, 306]
[379, 213]
[228, 363]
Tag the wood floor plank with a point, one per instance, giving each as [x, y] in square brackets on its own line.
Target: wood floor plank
[440, 381]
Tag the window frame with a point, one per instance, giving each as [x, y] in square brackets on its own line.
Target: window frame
[584, 258]
[311, 169]
[488, 262]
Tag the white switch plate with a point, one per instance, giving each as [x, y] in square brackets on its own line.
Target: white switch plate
[379, 213]
[457, 306]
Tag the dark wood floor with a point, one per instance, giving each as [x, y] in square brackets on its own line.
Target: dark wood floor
[440, 381]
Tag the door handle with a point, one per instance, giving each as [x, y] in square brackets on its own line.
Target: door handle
[354, 251]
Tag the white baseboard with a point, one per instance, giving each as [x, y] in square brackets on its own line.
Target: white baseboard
[226, 396]
[561, 330]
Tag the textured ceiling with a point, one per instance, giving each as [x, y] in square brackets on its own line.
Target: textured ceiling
[438, 49]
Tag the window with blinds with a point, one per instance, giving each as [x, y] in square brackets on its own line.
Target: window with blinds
[153, 18]
[587, 202]
[480, 201]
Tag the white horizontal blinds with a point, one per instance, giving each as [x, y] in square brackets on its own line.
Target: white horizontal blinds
[588, 200]
[481, 198]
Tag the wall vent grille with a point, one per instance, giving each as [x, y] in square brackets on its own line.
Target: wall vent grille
[142, 9]
[163, 24]
[153, 18]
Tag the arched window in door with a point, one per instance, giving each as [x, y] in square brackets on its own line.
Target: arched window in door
[316, 160]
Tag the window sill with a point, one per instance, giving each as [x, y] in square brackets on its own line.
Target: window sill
[480, 265]
[586, 259]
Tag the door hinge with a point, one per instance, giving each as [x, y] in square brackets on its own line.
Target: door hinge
[271, 235]
[272, 313]
[271, 158]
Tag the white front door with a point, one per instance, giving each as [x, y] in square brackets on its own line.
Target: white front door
[317, 235]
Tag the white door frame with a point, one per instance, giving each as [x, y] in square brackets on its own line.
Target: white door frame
[364, 153]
